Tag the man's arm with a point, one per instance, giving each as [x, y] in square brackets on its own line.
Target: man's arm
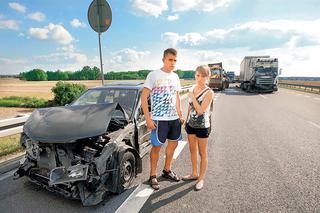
[178, 107]
[144, 104]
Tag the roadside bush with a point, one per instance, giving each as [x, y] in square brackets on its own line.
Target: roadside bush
[65, 93]
[15, 101]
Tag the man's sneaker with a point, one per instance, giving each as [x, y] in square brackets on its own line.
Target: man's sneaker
[170, 175]
[154, 183]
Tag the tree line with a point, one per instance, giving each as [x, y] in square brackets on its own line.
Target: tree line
[88, 73]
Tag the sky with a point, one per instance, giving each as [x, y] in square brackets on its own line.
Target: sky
[55, 34]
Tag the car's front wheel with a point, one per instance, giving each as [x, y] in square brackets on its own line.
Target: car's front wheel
[127, 170]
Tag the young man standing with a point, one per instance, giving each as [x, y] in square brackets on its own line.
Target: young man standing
[166, 117]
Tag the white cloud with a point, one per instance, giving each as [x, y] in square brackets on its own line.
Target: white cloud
[66, 57]
[171, 38]
[12, 66]
[128, 55]
[199, 5]
[149, 7]
[253, 35]
[128, 59]
[190, 39]
[208, 56]
[18, 7]
[10, 61]
[37, 16]
[40, 33]
[8, 24]
[173, 18]
[77, 23]
[193, 39]
[55, 32]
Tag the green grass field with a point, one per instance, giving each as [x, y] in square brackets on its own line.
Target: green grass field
[10, 144]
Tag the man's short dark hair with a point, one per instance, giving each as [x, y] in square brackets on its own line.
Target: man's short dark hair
[170, 51]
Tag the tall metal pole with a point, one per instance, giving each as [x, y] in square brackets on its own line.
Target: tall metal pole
[101, 65]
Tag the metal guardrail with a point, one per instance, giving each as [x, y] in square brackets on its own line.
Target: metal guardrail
[12, 126]
[301, 86]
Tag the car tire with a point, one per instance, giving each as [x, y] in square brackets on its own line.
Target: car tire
[127, 170]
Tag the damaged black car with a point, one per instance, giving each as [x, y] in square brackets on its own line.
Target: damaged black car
[90, 147]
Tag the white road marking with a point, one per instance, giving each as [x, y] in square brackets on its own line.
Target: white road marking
[136, 200]
[263, 96]
[314, 124]
[179, 148]
[141, 194]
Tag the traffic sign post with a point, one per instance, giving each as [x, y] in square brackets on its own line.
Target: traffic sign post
[100, 18]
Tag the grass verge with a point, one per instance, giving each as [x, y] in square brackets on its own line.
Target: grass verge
[15, 101]
[10, 144]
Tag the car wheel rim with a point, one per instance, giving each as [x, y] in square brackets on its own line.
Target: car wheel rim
[127, 171]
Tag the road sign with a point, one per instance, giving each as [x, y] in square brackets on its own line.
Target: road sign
[99, 15]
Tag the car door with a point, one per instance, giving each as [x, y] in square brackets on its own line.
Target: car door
[143, 133]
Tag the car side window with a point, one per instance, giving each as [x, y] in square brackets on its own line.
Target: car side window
[140, 111]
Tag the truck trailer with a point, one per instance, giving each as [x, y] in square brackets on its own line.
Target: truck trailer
[259, 74]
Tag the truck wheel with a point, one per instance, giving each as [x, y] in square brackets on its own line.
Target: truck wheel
[127, 170]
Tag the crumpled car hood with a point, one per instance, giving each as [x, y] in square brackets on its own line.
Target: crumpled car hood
[70, 123]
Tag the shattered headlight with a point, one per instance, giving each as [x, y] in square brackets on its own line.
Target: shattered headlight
[76, 173]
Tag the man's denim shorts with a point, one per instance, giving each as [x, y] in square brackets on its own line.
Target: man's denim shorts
[170, 130]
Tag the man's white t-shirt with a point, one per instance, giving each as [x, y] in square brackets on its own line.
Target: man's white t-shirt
[164, 87]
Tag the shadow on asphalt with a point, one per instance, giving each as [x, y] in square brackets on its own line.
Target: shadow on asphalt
[151, 206]
[27, 191]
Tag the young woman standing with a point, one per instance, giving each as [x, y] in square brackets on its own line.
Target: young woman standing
[198, 124]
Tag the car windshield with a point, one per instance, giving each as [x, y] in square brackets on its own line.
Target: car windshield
[267, 70]
[125, 97]
[215, 72]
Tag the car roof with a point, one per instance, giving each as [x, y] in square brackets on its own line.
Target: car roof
[122, 84]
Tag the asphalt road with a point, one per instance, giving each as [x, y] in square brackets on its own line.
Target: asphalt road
[264, 156]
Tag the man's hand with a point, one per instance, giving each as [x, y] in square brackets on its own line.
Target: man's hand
[182, 120]
[150, 124]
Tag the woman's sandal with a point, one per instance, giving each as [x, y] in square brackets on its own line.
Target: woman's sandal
[154, 183]
[189, 177]
[199, 185]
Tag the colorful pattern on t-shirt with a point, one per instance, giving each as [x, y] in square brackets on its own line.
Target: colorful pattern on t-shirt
[163, 101]
[164, 87]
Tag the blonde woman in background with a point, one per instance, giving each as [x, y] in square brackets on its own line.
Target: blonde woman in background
[198, 126]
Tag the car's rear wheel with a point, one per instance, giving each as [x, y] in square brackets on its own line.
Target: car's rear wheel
[127, 170]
